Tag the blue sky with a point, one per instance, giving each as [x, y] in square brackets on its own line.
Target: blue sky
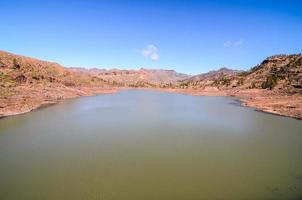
[185, 35]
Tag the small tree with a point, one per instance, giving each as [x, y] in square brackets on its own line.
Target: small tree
[270, 82]
[16, 64]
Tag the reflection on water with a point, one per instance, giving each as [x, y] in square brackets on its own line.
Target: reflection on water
[150, 145]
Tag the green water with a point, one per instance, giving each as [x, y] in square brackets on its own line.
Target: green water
[143, 145]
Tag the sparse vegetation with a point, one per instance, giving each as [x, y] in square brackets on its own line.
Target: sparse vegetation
[16, 64]
[270, 82]
[240, 82]
[225, 81]
[253, 69]
[244, 73]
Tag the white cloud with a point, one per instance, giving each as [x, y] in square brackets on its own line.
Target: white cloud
[227, 44]
[233, 44]
[151, 52]
[239, 42]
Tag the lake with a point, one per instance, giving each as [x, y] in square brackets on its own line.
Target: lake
[147, 145]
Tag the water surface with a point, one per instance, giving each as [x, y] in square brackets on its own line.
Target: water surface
[143, 145]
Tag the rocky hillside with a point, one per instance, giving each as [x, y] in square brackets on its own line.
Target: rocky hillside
[19, 70]
[280, 73]
[26, 83]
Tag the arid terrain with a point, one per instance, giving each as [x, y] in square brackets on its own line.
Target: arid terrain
[274, 86]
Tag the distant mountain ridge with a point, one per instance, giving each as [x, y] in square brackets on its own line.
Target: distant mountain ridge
[136, 78]
[213, 74]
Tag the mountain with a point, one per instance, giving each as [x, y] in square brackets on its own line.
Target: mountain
[27, 83]
[279, 73]
[210, 79]
[213, 74]
[275, 85]
[20, 70]
[136, 78]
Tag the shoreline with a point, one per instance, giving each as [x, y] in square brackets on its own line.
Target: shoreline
[260, 100]
[84, 92]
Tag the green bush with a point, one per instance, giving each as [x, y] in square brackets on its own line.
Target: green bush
[16, 64]
[270, 82]
[225, 81]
